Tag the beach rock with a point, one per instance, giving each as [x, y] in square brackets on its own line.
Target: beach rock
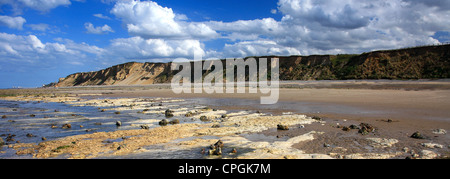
[427, 154]
[169, 113]
[67, 126]
[121, 147]
[366, 128]
[382, 143]
[175, 121]
[216, 149]
[163, 122]
[145, 126]
[353, 126]
[215, 126]
[9, 138]
[30, 135]
[224, 116]
[219, 144]
[432, 145]
[189, 114]
[440, 131]
[345, 128]
[282, 127]
[317, 118]
[118, 123]
[32, 115]
[4, 117]
[2, 142]
[417, 135]
[117, 112]
[43, 138]
[204, 119]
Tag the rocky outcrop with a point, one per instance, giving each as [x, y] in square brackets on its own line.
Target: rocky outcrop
[429, 62]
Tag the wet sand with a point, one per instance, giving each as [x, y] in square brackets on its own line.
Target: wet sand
[411, 111]
[395, 113]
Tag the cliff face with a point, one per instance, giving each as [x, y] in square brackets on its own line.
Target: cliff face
[412, 63]
[125, 74]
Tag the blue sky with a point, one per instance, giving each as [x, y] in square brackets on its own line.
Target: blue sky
[41, 41]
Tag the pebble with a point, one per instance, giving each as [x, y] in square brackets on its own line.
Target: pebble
[234, 151]
[67, 126]
[163, 122]
[417, 135]
[175, 121]
[439, 131]
[169, 113]
[282, 127]
[204, 119]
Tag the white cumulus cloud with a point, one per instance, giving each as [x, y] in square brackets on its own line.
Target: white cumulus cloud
[149, 20]
[30, 49]
[91, 29]
[138, 48]
[12, 22]
[257, 48]
[40, 5]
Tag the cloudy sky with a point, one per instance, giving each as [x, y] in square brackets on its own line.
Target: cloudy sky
[42, 40]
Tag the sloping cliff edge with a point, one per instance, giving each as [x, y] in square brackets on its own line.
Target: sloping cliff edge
[427, 62]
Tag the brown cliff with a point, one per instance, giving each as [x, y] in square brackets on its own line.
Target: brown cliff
[429, 62]
[132, 73]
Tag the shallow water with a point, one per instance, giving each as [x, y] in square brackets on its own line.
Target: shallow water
[31, 121]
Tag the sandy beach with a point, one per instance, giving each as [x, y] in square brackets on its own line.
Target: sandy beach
[319, 116]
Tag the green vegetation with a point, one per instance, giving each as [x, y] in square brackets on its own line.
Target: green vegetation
[431, 62]
[58, 149]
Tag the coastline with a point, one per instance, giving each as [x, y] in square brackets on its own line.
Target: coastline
[409, 111]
